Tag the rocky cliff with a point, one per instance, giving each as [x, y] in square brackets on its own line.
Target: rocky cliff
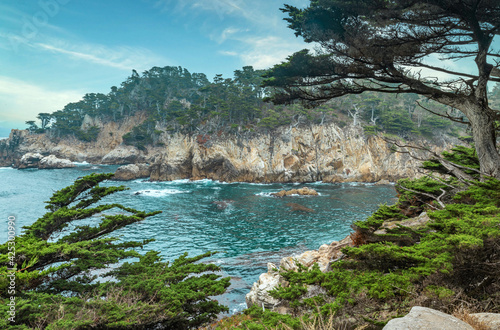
[306, 154]
[301, 154]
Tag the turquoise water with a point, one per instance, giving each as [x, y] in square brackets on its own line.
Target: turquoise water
[254, 229]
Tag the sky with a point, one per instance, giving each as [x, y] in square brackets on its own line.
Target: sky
[55, 51]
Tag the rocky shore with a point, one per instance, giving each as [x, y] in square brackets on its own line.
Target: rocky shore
[301, 154]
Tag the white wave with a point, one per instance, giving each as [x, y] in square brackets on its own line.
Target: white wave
[84, 163]
[159, 193]
[6, 168]
[180, 181]
[239, 308]
[269, 194]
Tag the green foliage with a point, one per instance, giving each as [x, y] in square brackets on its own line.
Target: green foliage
[392, 268]
[383, 213]
[460, 155]
[370, 130]
[88, 135]
[59, 272]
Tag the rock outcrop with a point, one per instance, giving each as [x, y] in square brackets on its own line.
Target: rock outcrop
[300, 154]
[21, 142]
[132, 172]
[487, 320]
[52, 161]
[36, 160]
[324, 256]
[301, 192]
[425, 318]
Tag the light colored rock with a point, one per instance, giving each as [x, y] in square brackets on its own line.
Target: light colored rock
[490, 320]
[131, 172]
[416, 222]
[301, 191]
[323, 257]
[302, 154]
[30, 160]
[421, 318]
[52, 161]
[122, 155]
[259, 294]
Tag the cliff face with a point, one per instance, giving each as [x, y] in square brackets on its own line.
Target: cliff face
[312, 153]
[302, 154]
[20, 142]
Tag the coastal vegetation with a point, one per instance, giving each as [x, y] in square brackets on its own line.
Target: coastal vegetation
[175, 100]
[447, 263]
[386, 47]
[361, 77]
[67, 271]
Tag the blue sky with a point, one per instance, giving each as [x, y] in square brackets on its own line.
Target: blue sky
[55, 51]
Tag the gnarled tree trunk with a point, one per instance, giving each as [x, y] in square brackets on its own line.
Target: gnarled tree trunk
[483, 131]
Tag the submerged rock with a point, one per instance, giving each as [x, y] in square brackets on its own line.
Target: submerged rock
[222, 205]
[297, 207]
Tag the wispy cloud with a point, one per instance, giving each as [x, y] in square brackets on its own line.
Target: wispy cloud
[20, 99]
[264, 52]
[123, 58]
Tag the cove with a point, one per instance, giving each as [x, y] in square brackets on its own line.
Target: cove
[242, 221]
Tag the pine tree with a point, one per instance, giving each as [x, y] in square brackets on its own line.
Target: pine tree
[74, 279]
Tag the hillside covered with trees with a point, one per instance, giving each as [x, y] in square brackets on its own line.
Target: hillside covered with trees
[175, 100]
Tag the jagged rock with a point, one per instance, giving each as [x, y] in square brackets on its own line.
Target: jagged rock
[301, 191]
[131, 172]
[259, 294]
[425, 318]
[122, 155]
[489, 320]
[302, 154]
[37, 160]
[52, 161]
[324, 256]
[29, 160]
[383, 182]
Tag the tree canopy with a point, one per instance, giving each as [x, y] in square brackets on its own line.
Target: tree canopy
[399, 46]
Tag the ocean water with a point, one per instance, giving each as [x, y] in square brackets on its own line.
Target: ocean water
[254, 229]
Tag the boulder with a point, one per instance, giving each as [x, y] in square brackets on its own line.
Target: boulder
[52, 161]
[29, 160]
[425, 318]
[487, 320]
[301, 191]
[131, 172]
